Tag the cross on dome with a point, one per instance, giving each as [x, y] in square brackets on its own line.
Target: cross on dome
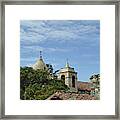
[40, 54]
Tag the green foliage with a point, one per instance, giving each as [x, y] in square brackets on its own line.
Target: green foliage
[37, 84]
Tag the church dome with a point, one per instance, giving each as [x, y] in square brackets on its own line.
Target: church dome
[40, 65]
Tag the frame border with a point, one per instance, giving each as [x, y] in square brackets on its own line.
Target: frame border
[60, 2]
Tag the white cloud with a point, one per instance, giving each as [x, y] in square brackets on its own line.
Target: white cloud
[41, 31]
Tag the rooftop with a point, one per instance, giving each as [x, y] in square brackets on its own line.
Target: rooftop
[84, 85]
[60, 95]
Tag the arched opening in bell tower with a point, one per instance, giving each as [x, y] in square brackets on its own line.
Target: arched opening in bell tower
[62, 77]
[73, 81]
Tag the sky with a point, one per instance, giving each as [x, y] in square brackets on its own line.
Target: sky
[59, 40]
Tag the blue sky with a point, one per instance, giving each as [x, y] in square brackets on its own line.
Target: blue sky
[59, 40]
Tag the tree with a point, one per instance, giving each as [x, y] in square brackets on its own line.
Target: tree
[37, 84]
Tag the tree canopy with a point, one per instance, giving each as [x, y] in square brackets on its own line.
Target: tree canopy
[37, 84]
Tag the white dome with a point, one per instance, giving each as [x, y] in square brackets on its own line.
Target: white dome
[40, 65]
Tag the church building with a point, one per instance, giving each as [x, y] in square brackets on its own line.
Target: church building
[87, 90]
[67, 73]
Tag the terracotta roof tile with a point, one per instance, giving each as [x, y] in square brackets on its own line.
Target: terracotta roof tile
[84, 85]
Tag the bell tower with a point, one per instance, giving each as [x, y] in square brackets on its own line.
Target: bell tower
[69, 75]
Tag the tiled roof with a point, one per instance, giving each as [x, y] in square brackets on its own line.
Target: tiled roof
[70, 96]
[84, 85]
